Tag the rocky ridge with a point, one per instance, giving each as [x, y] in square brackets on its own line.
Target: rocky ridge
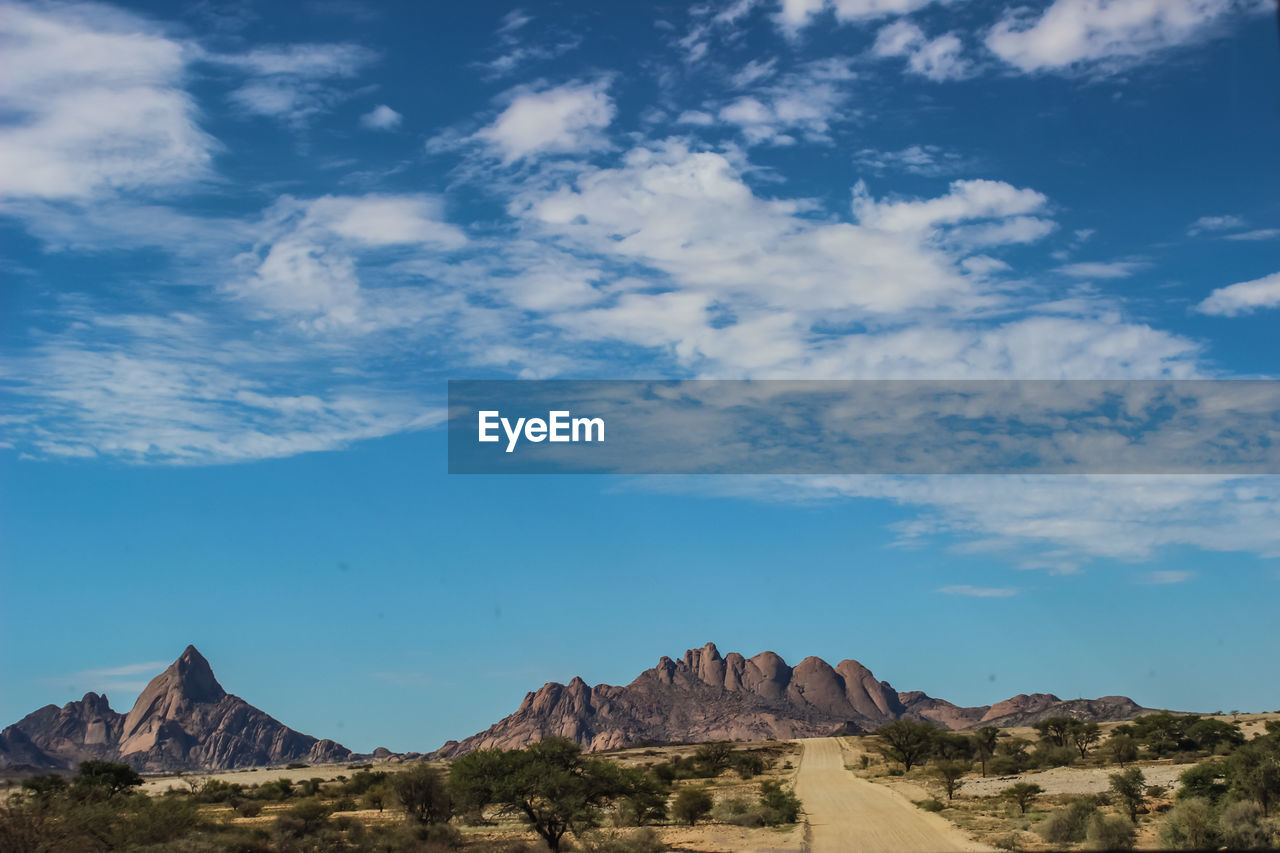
[704, 696]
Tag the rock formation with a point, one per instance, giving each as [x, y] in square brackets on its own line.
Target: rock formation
[183, 720]
[704, 697]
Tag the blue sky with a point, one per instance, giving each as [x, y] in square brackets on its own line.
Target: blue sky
[245, 245]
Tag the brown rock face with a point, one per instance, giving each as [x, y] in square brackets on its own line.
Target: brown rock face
[183, 720]
[704, 697]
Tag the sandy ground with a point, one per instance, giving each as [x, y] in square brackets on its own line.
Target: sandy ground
[160, 784]
[848, 813]
[1071, 780]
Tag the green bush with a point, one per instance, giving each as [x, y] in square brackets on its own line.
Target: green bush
[931, 805]
[1189, 825]
[1110, 832]
[1242, 827]
[640, 841]
[248, 808]
[691, 805]
[1068, 825]
[1048, 755]
[779, 804]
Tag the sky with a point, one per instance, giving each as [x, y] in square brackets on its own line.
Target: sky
[245, 245]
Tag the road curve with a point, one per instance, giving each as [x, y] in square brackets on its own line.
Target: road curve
[848, 813]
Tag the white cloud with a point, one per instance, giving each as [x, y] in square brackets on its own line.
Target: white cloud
[965, 200]
[1058, 523]
[1099, 269]
[697, 117]
[1243, 298]
[305, 268]
[979, 591]
[93, 103]
[1257, 234]
[937, 59]
[381, 117]
[796, 14]
[564, 119]
[177, 390]
[803, 102]
[1074, 32]
[927, 160]
[293, 82]
[1215, 223]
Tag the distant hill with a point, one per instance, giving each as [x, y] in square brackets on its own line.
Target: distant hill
[704, 697]
[183, 720]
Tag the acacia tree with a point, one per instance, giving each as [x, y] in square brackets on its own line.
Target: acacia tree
[423, 794]
[550, 784]
[949, 772]
[1084, 735]
[984, 745]
[1023, 793]
[906, 741]
[1130, 786]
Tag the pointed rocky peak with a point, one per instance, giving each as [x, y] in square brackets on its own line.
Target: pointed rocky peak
[96, 702]
[193, 676]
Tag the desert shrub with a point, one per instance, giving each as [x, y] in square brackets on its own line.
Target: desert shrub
[1008, 841]
[731, 807]
[1070, 824]
[644, 840]
[896, 771]
[280, 789]
[297, 765]
[307, 817]
[1110, 832]
[248, 808]
[1242, 827]
[713, 758]
[645, 801]
[361, 782]
[216, 791]
[1201, 782]
[748, 764]
[1049, 755]
[345, 804]
[1023, 794]
[691, 805]
[950, 772]
[423, 794]
[931, 805]
[1189, 826]
[1156, 790]
[377, 797]
[1129, 786]
[778, 804]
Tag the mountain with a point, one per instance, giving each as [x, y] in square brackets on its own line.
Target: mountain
[183, 720]
[704, 697]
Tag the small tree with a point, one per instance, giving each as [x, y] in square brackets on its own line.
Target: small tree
[1110, 832]
[949, 773]
[1253, 771]
[1054, 730]
[1121, 748]
[1084, 735]
[423, 794]
[1131, 787]
[1023, 793]
[554, 787]
[1189, 825]
[692, 804]
[473, 778]
[779, 804]
[906, 741]
[107, 777]
[984, 745]
[713, 758]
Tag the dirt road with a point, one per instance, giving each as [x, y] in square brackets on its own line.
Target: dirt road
[848, 813]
